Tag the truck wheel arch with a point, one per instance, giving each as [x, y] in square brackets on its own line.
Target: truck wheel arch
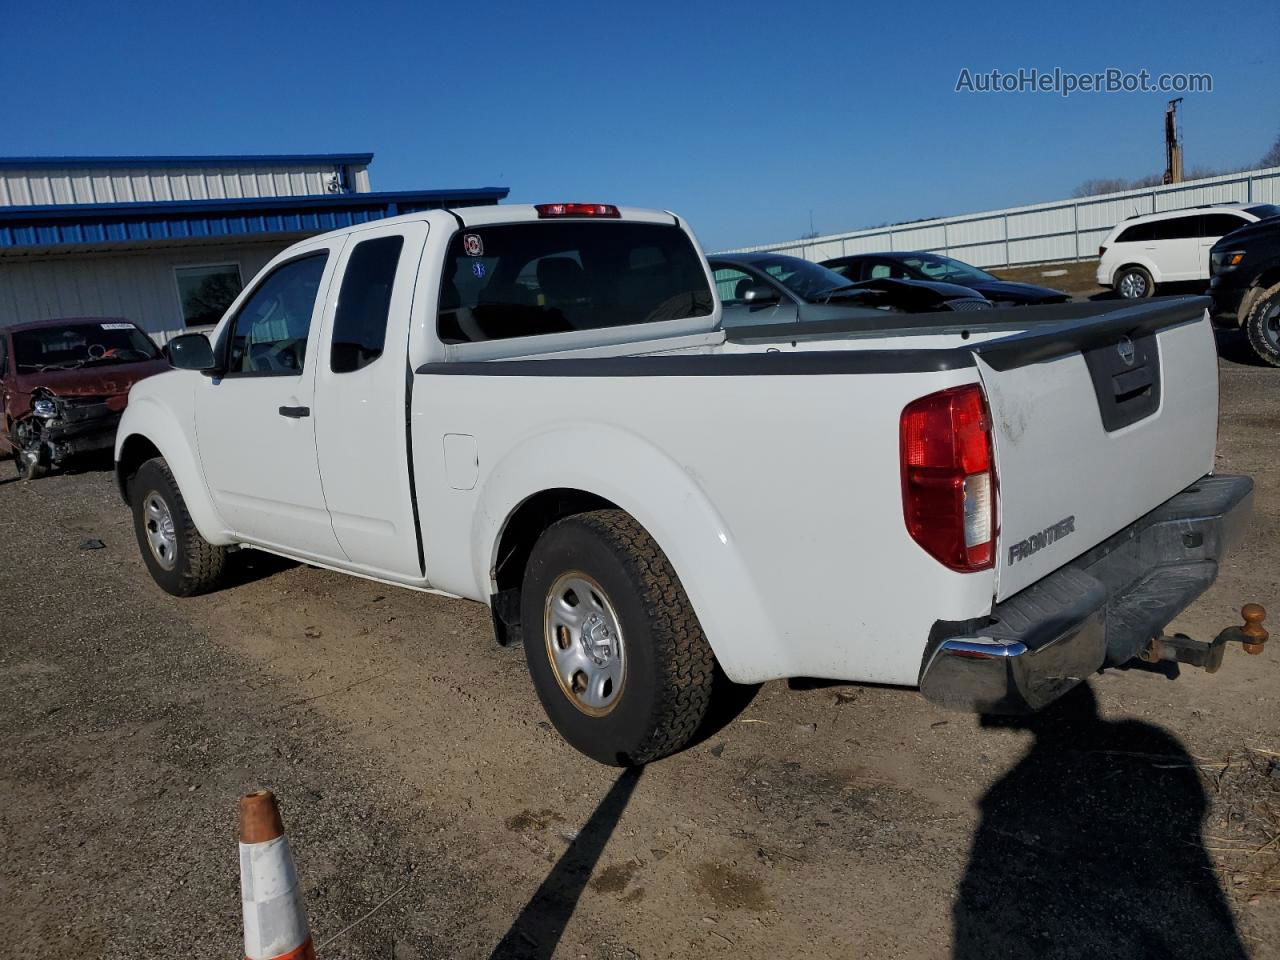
[151, 430]
[538, 484]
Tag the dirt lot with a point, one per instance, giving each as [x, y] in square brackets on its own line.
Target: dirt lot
[420, 782]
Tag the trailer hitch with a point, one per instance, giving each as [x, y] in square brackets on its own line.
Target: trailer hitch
[1180, 648]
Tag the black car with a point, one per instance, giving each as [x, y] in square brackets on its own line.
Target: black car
[759, 288]
[934, 266]
[1244, 282]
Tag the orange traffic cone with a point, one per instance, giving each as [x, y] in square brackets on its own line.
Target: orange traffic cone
[275, 925]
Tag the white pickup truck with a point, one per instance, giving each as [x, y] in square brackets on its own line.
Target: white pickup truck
[536, 408]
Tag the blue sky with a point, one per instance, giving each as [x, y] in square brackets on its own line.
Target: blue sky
[742, 118]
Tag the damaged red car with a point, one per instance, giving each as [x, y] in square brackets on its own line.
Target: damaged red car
[64, 384]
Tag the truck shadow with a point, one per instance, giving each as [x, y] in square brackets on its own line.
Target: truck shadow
[1091, 846]
[1233, 346]
[536, 932]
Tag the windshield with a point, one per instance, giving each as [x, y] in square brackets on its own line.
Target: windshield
[81, 344]
[1264, 210]
[935, 267]
[526, 279]
[802, 277]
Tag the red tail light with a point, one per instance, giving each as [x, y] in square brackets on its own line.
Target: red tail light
[1102, 252]
[548, 210]
[949, 477]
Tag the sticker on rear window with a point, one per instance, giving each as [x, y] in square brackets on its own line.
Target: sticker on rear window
[473, 244]
[117, 326]
[478, 269]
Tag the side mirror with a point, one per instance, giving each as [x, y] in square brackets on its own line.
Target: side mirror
[191, 351]
[759, 294]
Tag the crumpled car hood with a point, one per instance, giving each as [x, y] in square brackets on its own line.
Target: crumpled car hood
[103, 381]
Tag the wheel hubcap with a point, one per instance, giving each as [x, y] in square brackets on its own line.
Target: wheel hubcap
[1271, 327]
[161, 537]
[584, 643]
[1133, 286]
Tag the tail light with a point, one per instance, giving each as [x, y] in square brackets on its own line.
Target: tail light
[1102, 252]
[949, 477]
[549, 210]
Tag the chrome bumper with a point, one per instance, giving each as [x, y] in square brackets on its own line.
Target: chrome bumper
[1099, 610]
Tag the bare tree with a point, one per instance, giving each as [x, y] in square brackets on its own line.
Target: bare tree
[1272, 157]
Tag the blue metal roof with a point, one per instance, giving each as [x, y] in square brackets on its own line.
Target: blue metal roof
[217, 160]
[96, 224]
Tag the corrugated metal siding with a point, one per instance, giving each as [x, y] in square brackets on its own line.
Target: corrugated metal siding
[42, 186]
[140, 287]
[1064, 230]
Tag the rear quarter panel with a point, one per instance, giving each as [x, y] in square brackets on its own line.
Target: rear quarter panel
[776, 498]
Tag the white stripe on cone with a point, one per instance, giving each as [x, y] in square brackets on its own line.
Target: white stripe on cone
[274, 921]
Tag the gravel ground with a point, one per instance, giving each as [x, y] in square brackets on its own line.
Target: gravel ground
[418, 777]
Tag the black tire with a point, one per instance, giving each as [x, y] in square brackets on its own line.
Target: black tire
[669, 667]
[1263, 325]
[1140, 283]
[195, 565]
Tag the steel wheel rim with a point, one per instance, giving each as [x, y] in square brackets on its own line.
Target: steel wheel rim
[162, 538]
[584, 642]
[1271, 327]
[1133, 286]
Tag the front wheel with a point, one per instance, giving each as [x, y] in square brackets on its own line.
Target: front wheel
[1263, 326]
[1135, 283]
[615, 651]
[181, 561]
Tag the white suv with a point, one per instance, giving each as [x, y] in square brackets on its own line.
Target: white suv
[1170, 247]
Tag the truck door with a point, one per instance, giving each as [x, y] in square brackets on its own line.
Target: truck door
[254, 424]
[360, 404]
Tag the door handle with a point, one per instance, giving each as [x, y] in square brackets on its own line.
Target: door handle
[295, 412]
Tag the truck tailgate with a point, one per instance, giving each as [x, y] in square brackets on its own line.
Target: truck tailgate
[1095, 424]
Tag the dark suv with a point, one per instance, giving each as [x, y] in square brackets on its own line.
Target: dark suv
[1244, 269]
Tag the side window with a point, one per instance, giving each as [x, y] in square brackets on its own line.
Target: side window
[731, 284]
[269, 335]
[877, 269]
[1219, 224]
[1177, 228]
[851, 270]
[364, 304]
[1138, 233]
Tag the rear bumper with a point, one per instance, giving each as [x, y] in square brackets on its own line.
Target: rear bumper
[1099, 610]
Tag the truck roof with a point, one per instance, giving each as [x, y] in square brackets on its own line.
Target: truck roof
[498, 213]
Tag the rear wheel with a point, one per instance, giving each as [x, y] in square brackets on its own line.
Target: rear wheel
[1263, 325]
[181, 561]
[1134, 283]
[616, 654]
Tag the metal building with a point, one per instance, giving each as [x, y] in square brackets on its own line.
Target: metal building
[168, 242]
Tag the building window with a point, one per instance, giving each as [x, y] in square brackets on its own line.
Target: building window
[206, 291]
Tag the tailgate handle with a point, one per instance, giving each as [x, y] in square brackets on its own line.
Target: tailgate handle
[1132, 383]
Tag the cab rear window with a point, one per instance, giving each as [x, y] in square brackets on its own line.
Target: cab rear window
[525, 279]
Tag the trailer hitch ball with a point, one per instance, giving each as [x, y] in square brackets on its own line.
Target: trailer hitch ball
[1253, 634]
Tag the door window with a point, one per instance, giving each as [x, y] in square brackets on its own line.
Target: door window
[1177, 228]
[364, 304]
[878, 269]
[1219, 224]
[732, 284]
[1138, 233]
[269, 334]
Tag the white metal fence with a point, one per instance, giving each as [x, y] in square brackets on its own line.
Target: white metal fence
[1040, 233]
